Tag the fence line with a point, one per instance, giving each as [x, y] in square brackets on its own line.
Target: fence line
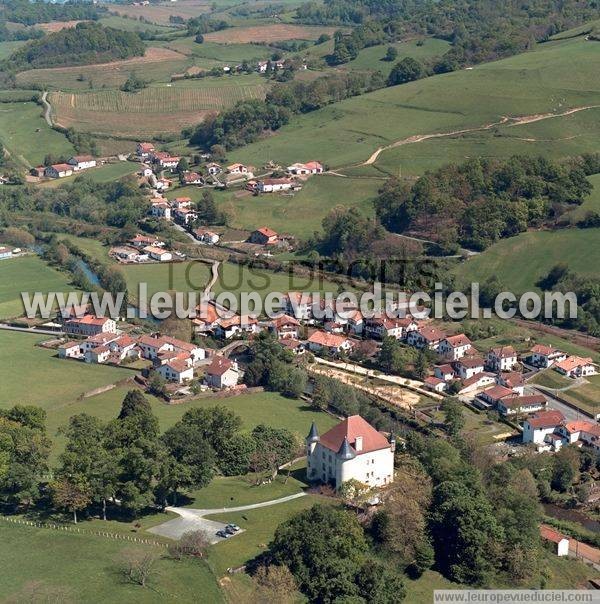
[75, 529]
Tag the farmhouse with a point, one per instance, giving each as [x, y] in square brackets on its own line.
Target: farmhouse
[502, 358]
[492, 396]
[206, 236]
[185, 216]
[351, 450]
[444, 372]
[584, 432]
[545, 356]
[274, 185]
[467, 367]
[144, 150]
[144, 241]
[222, 373]
[263, 236]
[285, 327]
[312, 167]
[575, 367]
[238, 169]
[213, 168]
[435, 384]
[90, 325]
[58, 170]
[161, 209]
[166, 160]
[82, 162]
[229, 327]
[180, 203]
[380, 327]
[330, 342]
[511, 379]
[157, 253]
[153, 346]
[299, 305]
[455, 347]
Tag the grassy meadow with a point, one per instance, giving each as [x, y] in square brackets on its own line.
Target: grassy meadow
[27, 274]
[87, 568]
[552, 78]
[26, 135]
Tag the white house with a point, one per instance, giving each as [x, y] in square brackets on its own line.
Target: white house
[351, 450]
[575, 367]
[545, 356]
[455, 347]
[161, 209]
[69, 350]
[428, 337]
[502, 358]
[541, 425]
[5, 252]
[206, 236]
[444, 372]
[467, 367]
[177, 370]
[311, 167]
[513, 405]
[213, 168]
[81, 162]
[238, 169]
[157, 253]
[333, 343]
[90, 325]
[285, 327]
[222, 373]
[274, 185]
[144, 150]
[58, 170]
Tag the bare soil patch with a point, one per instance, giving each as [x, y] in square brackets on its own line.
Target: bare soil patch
[53, 26]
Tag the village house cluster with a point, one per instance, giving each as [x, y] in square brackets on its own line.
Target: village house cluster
[145, 248]
[74, 164]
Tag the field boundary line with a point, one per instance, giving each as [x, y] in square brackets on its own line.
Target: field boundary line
[77, 530]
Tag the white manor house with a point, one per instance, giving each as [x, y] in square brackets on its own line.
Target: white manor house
[352, 449]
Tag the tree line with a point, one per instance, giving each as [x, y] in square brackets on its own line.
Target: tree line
[31, 13]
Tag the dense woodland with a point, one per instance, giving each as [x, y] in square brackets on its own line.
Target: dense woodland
[85, 44]
[483, 200]
[30, 13]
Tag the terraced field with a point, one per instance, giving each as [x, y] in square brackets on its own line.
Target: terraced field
[150, 111]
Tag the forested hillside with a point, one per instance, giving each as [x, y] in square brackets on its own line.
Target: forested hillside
[87, 43]
[30, 13]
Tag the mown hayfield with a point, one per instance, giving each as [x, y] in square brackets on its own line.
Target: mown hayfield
[152, 110]
[127, 24]
[157, 65]
[553, 78]
[267, 33]
[210, 54]
[102, 173]
[159, 13]
[26, 274]
[519, 262]
[26, 135]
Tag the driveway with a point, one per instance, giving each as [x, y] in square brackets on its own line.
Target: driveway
[191, 519]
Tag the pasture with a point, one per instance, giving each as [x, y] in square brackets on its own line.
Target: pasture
[519, 262]
[209, 54]
[86, 568]
[102, 173]
[157, 64]
[301, 214]
[26, 274]
[350, 131]
[7, 48]
[159, 13]
[26, 135]
[152, 110]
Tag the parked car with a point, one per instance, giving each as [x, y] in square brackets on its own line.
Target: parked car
[234, 527]
[223, 534]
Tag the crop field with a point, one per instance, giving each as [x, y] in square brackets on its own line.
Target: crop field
[519, 262]
[209, 54]
[349, 132]
[301, 214]
[127, 24]
[267, 33]
[152, 110]
[159, 13]
[26, 135]
[103, 173]
[156, 64]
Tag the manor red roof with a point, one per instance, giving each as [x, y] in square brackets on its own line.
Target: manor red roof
[351, 428]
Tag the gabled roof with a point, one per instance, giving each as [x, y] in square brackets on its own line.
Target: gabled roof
[470, 362]
[266, 231]
[504, 352]
[498, 392]
[324, 338]
[219, 366]
[284, 320]
[458, 340]
[545, 350]
[546, 419]
[571, 363]
[432, 334]
[514, 402]
[61, 167]
[349, 429]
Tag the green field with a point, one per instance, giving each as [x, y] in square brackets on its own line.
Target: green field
[519, 262]
[134, 25]
[26, 274]
[45, 565]
[103, 173]
[552, 78]
[26, 135]
[301, 214]
[7, 48]
[586, 396]
[211, 54]
[590, 204]
[551, 379]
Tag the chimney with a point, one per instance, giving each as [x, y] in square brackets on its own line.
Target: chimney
[358, 445]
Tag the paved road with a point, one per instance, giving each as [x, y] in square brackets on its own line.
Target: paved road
[191, 519]
[553, 403]
[31, 330]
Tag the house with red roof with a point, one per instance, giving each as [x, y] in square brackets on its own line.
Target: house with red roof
[541, 425]
[89, 325]
[544, 356]
[221, 373]
[284, 327]
[330, 342]
[58, 170]
[179, 369]
[519, 404]
[352, 449]
[427, 337]
[274, 185]
[575, 367]
[263, 236]
[501, 358]
[144, 150]
[455, 347]
[82, 162]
